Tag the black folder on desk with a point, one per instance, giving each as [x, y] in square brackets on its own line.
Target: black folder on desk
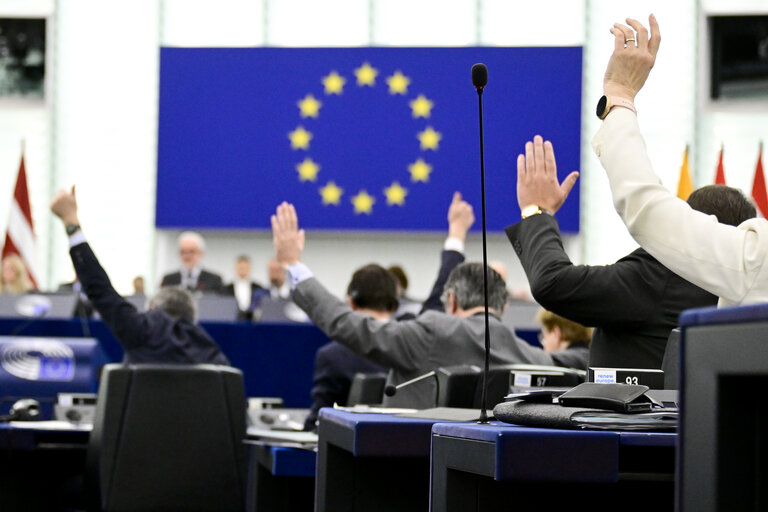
[575, 418]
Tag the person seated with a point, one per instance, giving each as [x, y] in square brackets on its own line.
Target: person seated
[192, 276]
[138, 285]
[414, 347]
[567, 342]
[727, 261]
[244, 289]
[279, 288]
[407, 307]
[371, 291]
[15, 278]
[633, 303]
[166, 333]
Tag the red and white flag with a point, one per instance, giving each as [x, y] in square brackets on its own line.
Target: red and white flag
[759, 193]
[720, 174]
[20, 237]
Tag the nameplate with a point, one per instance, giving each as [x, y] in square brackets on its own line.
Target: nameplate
[538, 379]
[652, 378]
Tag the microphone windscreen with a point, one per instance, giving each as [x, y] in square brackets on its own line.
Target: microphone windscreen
[390, 390]
[479, 75]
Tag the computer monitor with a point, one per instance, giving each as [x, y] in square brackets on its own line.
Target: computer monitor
[723, 431]
[211, 308]
[38, 305]
[42, 367]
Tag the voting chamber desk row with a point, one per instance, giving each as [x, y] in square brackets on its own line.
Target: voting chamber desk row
[372, 462]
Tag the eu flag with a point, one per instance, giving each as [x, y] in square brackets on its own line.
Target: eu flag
[357, 138]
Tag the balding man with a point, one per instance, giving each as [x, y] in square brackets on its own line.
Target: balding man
[192, 276]
[167, 333]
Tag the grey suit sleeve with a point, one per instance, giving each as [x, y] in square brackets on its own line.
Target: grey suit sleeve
[397, 345]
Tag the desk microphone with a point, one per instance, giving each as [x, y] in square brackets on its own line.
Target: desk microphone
[479, 80]
[391, 390]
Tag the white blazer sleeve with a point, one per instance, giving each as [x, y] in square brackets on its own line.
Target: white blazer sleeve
[724, 260]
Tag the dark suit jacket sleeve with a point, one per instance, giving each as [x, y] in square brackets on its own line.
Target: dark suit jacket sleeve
[591, 295]
[399, 345]
[172, 279]
[448, 261]
[128, 325]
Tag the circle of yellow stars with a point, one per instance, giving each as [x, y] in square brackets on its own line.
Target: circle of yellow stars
[333, 85]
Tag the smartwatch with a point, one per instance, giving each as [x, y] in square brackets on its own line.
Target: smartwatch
[72, 229]
[606, 103]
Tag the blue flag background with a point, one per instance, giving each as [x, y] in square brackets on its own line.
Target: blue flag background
[357, 138]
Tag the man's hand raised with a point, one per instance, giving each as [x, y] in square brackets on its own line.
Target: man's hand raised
[460, 217]
[634, 55]
[286, 235]
[537, 177]
[64, 206]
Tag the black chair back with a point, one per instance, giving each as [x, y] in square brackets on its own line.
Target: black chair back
[168, 438]
[367, 388]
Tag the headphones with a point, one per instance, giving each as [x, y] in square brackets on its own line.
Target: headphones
[26, 409]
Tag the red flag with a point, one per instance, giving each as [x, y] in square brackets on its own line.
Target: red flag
[758, 186]
[720, 175]
[20, 237]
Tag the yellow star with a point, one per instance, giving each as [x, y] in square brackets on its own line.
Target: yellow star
[420, 171]
[309, 106]
[421, 106]
[334, 83]
[331, 193]
[395, 194]
[429, 139]
[300, 138]
[363, 202]
[366, 75]
[398, 83]
[308, 170]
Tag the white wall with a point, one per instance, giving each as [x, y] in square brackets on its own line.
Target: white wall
[98, 127]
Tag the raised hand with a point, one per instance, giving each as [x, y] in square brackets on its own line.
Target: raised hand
[537, 177]
[460, 217]
[64, 206]
[634, 55]
[287, 238]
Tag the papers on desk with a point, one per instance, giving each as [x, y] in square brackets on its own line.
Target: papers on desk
[605, 420]
[53, 425]
[279, 437]
[367, 409]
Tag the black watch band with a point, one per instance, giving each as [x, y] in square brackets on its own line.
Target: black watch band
[72, 229]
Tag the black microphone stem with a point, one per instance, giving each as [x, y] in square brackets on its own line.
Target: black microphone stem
[484, 396]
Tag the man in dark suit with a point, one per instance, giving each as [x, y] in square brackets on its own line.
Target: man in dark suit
[246, 291]
[412, 347]
[192, 276]
[167, 333]
[633, 303]
[371, 291]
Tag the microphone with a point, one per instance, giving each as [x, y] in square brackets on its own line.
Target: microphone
[479, 80]
[479, 77]
[391, 390]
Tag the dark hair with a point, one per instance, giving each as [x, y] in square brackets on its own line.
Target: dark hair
[373, 287]
[400, 275]
[177, 302]
[244, 257]
[728, 204]
[466, 283]
[571, 331]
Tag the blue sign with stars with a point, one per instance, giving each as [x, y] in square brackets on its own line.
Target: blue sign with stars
[357, 138]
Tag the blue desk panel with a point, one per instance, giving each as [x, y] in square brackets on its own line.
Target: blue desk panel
[276, 359]
[474, 466]
[372, 462]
